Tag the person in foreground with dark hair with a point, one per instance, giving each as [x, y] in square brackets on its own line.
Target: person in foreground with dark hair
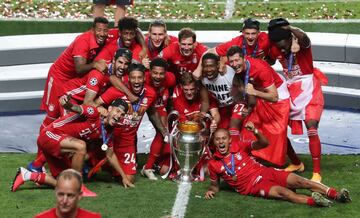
[234, 164]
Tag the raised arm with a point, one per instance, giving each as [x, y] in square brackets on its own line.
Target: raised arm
[65, 102]
[82, 67]
[261, 141]
[269, 94]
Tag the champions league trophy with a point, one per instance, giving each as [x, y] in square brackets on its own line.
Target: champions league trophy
[185, 140]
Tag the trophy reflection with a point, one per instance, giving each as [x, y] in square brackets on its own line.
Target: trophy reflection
[185, 140]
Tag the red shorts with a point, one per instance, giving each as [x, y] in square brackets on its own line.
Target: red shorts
[268, 178]
[49, 143]
[125, 150]
[225, 115]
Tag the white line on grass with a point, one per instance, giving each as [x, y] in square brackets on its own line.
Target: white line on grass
[181, 201]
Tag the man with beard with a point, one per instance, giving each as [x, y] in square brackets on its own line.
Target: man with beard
[234, 164]
[68, 194]
[75, 61]
[125, 134]
[130, 37]
[161, 81]
[272, 108]
[184, 56]
[64, 142]
[292, 47]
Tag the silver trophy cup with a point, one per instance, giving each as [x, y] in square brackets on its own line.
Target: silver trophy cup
[187, 146]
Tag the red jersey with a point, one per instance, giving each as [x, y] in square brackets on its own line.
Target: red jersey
[81, 213]
[84, 126]
[189, 110]
[162, 93]
[262, 46]
[262, 75]
[94, 81]
[302, 63]
[129, 125]
[246, 168]
[85, 46]
[154, 52]
[180, 63]
[107, 53]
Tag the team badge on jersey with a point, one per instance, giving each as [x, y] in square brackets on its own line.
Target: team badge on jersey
[145, 100]
[195, 60]
[238, 156]
[93, 81]
[51, 107]
[90, 110]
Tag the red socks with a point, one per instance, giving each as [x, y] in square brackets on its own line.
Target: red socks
[155, 150]
[331, 193]
[38, 178]
[294, 159]
[315, 148]
[310, 202]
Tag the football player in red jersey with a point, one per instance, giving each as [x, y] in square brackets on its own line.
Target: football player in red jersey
[64, 141]
[161, 81]
[68, 193]
[292, 47]
[234, 164]
[272, 108]
[75, 61]
[125, 134]
[157, 39]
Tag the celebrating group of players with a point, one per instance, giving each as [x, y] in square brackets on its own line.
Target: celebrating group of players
[100, 87]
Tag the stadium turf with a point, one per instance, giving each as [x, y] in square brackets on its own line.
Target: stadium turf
[155, 199]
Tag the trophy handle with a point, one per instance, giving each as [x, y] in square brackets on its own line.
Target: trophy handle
[173, 119]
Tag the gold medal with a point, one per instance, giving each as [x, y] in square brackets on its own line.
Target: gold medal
[234, 178]
[135, 115]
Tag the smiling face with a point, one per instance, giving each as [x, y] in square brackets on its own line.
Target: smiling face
[187, 46]
[101, 31]
[115, 115]
[157, 76]
[222, 141]
[68, 195]
[237, 63]
[127, 37]
[157, 36]
[250, 36]
[136, 81]
[120, 66]
[210, 69]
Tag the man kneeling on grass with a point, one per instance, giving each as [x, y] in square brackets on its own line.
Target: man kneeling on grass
[234, 164]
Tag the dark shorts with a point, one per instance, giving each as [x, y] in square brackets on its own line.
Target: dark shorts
[113, 2]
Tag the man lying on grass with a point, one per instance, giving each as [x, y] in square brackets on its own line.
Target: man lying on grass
[234, 164]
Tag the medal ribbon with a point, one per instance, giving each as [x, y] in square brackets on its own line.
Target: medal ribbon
[244, 49]
[290, 62]
[247, 75]
[231, 171]
[103, 133]
[136, 106]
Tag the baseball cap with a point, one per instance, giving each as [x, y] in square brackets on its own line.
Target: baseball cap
[251, 23]
[120, 103]
[123, 52]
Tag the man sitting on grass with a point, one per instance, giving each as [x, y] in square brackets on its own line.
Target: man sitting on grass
[234, 164]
